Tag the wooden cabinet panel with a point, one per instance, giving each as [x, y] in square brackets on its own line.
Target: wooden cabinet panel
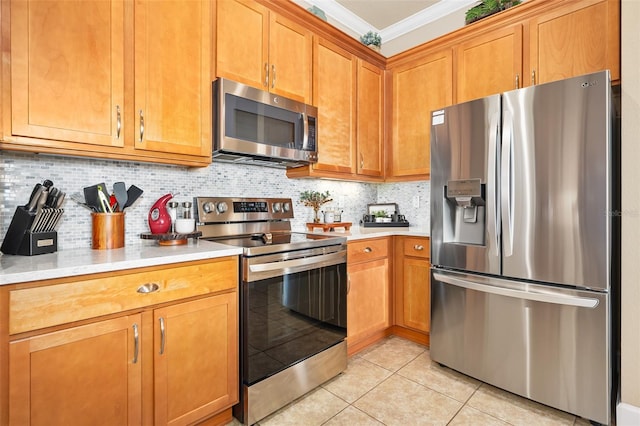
[242, 52]
[173, 76]
[369, 157]
[334, 93]
[290, 59]
[416, 293]
[419, 87]
[195, 359]
[416, 247]
[489, 64]
[368, 299]
[580, 38]
[40, 307]
[67, 70]
[84, 375]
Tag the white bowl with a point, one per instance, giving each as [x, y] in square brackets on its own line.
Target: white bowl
[185, 226]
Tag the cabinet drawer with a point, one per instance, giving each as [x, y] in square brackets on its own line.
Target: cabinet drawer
[362, 251]
[46, 306]
[416, 247]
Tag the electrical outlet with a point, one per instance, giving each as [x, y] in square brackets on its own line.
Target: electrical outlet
[416, 201]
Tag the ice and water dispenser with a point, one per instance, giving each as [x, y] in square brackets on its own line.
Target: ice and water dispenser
[464, 212]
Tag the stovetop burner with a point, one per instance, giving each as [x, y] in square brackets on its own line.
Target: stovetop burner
[258, 225]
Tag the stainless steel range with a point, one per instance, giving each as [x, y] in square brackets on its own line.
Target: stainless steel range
[293, 300]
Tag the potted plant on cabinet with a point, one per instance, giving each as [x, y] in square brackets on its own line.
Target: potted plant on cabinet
[372, 40]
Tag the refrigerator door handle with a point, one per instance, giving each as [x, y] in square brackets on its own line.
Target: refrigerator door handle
[506, 182]
[559, 299]
[493, 184]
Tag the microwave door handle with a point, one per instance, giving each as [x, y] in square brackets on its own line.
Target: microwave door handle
[305, 130]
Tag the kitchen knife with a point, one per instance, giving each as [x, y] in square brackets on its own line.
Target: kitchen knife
[33, 194]
[35, 197]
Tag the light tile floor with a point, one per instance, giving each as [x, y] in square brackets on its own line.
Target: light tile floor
[394, 382]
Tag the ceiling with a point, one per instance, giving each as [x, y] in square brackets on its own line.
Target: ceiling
[402, 24]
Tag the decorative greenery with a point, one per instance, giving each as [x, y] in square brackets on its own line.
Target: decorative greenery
[488, 7]
[371, 38]
[315, 200]
[380, 213]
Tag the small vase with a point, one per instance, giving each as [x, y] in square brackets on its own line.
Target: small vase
[374, 47]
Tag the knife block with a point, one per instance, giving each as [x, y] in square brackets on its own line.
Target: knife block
[20, 240]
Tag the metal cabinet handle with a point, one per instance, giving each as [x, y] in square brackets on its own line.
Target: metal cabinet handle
[162, 335]
[118, 122]
[361, 161]
[148, 288]
[141, 125]
[418, 247]
[273, 71]
[533, 77]
[266, 74]
[517, 81]
[136, 343]
[348, 285]
[367, 250]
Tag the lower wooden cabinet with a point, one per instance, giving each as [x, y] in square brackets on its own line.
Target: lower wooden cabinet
[369, 295]
[170, 363]
[412, 283]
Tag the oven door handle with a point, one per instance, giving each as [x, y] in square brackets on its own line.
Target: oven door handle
[298, 265]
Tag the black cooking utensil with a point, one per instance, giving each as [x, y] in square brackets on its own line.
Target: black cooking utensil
[133, 193]
[120, 191]
[92, 198]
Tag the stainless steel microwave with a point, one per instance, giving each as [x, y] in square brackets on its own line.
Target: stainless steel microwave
[257, 127]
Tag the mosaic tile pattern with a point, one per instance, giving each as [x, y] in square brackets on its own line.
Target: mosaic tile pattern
[19, 172]
[394, 382]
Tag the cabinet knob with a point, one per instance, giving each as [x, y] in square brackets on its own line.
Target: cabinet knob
[418, 247]
[367, 250]
[148, 288]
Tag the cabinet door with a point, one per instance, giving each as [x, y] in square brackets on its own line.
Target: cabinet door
[242, 42]
[195, 358]
[416, 293]
[419, 87]
[290, 59]
[173, 76]
[369, 158]
[82, 375]
[67, 87]
[579, 38]
[334, 93]
[489, 64]
[367, 300]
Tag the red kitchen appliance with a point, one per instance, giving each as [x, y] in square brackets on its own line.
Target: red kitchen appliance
[159, 219]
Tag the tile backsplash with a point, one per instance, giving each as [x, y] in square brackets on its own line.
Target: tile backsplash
[19, 172]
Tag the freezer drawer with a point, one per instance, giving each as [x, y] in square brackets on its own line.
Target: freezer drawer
[547, 344]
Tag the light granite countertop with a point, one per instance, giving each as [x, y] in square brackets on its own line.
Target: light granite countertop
[74, 262]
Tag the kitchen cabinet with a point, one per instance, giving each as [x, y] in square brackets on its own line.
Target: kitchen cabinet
[155, 345]
[412, 288]
[369, 119]
[135, 85]
[258, 47]
[578, 38]
[420, 85]
[369, 295]
[490, 63]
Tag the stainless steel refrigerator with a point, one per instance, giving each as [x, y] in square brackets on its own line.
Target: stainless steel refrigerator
[524, 245]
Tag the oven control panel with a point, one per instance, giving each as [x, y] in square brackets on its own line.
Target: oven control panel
[229, 209]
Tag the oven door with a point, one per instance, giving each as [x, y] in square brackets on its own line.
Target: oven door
[292, 309]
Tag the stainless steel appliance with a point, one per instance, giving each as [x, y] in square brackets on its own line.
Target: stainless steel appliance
[253, 126]
[524, 242]
[293, 300]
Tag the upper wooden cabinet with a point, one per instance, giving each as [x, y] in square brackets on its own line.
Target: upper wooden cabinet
[369, 118]
[172, 104]
[578, 38]
[490, 63]
[262, 49]
[419, 87]
[67, 71]
[114, 79]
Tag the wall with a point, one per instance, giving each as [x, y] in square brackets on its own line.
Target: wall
[20, 172]
[630, 293]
